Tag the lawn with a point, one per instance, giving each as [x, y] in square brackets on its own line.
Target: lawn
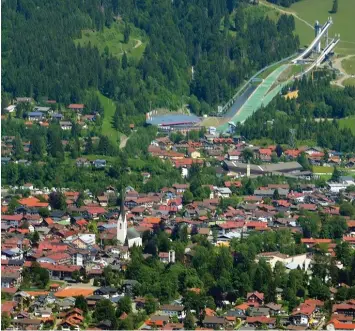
[349, 81]
[112, 38]
[349, 65]
[323, 170]
[109, 111]
[312, 10]
[348, 122]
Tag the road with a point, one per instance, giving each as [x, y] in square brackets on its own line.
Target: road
[337, 65]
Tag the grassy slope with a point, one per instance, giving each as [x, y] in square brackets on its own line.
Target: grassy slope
[349, 65]
[113, 38]
[312, 10]
[109, 111]
[348, 122]
[349, 81]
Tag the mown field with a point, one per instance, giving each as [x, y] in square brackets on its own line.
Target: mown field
[109, 111]
[349, 81]
[312, 10]
[349, 65]
[348, 122]
[112, 38]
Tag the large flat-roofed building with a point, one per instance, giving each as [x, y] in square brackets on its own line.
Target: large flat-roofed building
[285, 168]
[173, 121]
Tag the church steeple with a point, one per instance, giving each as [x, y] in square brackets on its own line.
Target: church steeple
[122, 221]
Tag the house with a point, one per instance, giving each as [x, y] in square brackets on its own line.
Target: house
[173, 310]
[258, 321]
[57, 117]
[99, 164]
[78, 107]
[27, 324]
[167, 257]
[10, 279]
[106, 291]
[65, 125]
[128, 286]
[35, 116]
[222, 192]
[214, 322]
[335, 324]
[255, 298]
[274, 308]
[181, 188]
[157, 321]
[302, 315]
[347, 309]
[82, 162]
[234, 155]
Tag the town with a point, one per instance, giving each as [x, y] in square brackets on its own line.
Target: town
[177, 165]
[69, 258]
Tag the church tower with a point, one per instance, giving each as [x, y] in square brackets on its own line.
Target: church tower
[122, 222]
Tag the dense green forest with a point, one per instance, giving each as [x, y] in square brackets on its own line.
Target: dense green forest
[284, 3]
[309, 115]
[41, 59]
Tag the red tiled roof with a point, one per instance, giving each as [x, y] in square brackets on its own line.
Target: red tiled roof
[8, 306]
[33, 202]
[261, 319]
[76, 106]
[259, 295]
[342, 326]
[304, 309]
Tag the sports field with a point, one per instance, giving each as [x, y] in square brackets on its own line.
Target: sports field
[312, 10]
[257, 98]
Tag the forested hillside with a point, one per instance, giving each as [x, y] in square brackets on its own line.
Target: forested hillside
[41, 59]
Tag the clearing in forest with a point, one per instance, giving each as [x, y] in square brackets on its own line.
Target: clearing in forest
[112, 38]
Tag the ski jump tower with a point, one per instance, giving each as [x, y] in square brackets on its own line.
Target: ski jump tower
[320, 30]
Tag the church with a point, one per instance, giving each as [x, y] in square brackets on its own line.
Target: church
[126, 236]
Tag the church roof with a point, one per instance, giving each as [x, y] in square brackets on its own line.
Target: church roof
[132, 233]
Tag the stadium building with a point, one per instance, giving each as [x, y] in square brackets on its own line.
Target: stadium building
[173, 121]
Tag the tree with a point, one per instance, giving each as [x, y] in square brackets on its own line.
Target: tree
[57, 200]
[150, 304]
[37, 147]
[35, 238]
[5, 321]
[124, 64]
[318, 290]
[303, 161]
[278, 150]
[336, 175]
[104, 310]
[335, 7]
[124, 306]
[80, 302]
[18, 148]
[89, 147]
[347, 209]
[187, 197]
[247, 154]
[276, 195]
[126, 33]
[189, 322]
